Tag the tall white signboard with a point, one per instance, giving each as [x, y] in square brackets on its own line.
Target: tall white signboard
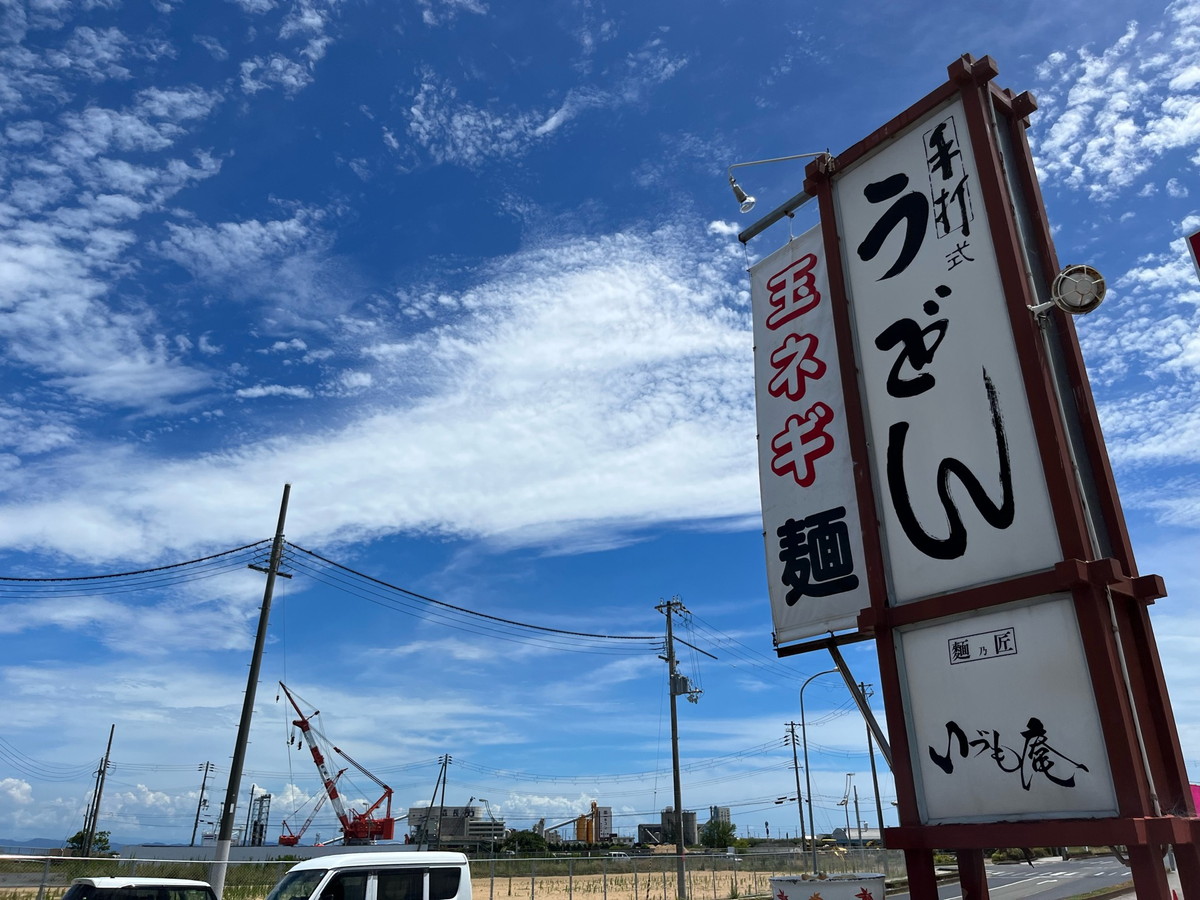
[958, 478]
[815, 569]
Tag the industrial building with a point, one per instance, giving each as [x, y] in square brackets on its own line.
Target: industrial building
[454, 827]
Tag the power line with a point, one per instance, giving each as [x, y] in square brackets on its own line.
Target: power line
[136, 572]
[376, 589]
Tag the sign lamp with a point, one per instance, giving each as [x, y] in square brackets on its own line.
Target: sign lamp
[745, 201]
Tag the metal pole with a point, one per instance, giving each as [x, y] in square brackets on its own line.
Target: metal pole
[861, 701]
[812, 829]
[846, 803]
[229, 804]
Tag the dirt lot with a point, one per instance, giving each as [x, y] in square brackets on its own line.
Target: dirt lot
[624, 886]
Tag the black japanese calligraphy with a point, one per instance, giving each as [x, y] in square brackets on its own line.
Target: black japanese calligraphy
[944, 151]
[816, 557]
[948, 184]
[1035, 756]
[998, 515]
[914, 351]
[911, 209]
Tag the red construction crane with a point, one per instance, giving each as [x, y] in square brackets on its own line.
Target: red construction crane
[291, 839]
[357, 828]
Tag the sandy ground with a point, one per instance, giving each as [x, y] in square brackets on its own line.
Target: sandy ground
[645, 886]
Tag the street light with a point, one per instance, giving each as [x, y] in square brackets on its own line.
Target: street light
[845, 801]
[812, 830]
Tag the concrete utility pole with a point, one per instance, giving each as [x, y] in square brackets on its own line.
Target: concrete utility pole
[93, 813]
[229, 805]
[677, 684]
[201, 803]
[668, 610]
[796, 769]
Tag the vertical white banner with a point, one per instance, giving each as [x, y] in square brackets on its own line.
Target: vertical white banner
[815, 568]
[958, 476]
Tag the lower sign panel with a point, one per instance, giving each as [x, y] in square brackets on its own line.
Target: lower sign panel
[1003, 717]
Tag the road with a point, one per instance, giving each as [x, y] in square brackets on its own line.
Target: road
[1047, 879]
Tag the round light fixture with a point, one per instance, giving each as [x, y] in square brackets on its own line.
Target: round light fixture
[1078, 290]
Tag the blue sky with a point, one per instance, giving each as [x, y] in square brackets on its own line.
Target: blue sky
[465, 273]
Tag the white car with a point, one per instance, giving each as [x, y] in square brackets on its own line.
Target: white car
[122, 888]
[401, 875]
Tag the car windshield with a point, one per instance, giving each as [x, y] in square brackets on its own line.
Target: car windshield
[297, 885]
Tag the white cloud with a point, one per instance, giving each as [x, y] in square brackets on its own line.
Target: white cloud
[623, 361]
[95, 53]
[438, 12]
[233, 249]
[16, 791]
[298, 392]
[456, 130]
[261, 73]
[1106, 116]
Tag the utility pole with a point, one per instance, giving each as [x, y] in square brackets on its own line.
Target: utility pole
[422, 840]
[201, 803]
[865, 690]
[677, 684]
[796, 769]
[857, 819]
[229, 804]
[668, 610]
[93, 813]
[447, 759]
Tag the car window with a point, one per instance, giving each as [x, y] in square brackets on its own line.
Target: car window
[400, 884]
[443, 882]
[346, 886]
[295, 885]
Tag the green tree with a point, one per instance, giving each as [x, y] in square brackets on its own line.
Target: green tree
[525, 842]
[715, 833]
[100, 846]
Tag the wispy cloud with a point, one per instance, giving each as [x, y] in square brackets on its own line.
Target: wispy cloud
[1106, 115]
[453, 129]
[618, 357]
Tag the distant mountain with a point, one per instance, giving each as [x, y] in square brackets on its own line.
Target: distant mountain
[10, 844]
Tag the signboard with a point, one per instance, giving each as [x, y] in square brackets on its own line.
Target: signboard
[811, 526]
[1003, 718]
[958, 477]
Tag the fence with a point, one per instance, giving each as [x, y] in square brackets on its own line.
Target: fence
[652, 877]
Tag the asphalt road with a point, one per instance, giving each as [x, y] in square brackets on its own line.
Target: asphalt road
[1046, 879]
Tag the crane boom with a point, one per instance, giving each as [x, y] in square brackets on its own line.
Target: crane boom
[387, 791]
[328, 781]
[290, 839]
[357, 828]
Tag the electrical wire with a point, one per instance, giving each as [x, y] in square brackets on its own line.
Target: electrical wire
[43, 771]
[384, 593]
[126, 582]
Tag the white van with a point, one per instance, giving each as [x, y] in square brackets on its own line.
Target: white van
[123, 888]
[415, 875]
